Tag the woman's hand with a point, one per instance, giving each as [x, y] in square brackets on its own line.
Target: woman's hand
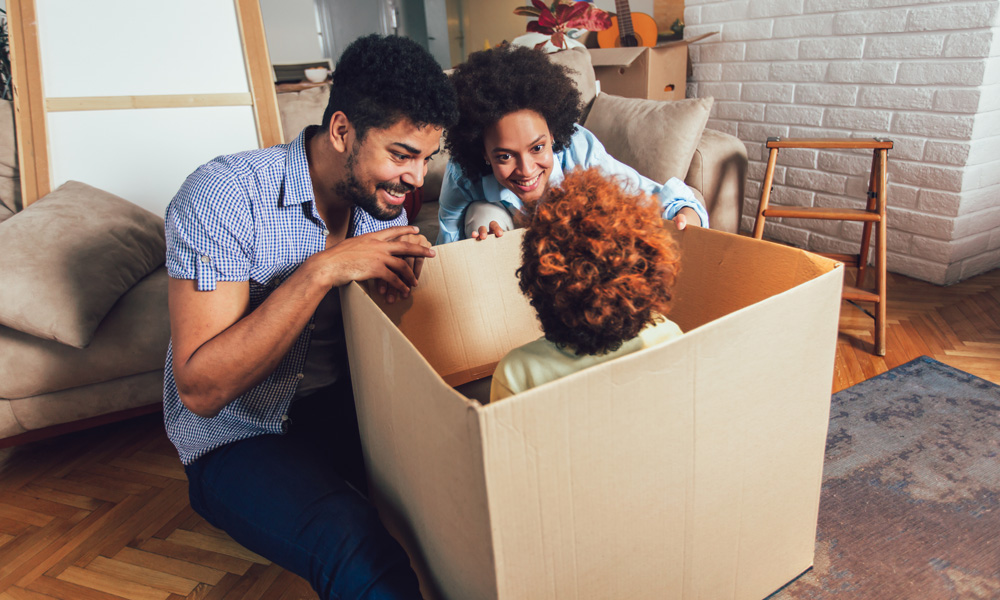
[686, 216]
[484, 231]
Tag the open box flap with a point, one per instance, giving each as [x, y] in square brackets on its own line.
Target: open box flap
[686, 42]
[467, 310]
[423, 454]
[743, 271]
[615, 57]
[623, 57]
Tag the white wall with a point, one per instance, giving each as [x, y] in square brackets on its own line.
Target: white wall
[142, 155]
[639, 6]
[925, 73]
[291, 29]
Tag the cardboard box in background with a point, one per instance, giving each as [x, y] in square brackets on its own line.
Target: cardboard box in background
[687, 470]
[658, 73]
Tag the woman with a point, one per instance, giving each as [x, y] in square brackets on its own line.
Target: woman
[517, 135]
[598, 268]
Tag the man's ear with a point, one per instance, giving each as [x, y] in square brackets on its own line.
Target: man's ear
[340, 131]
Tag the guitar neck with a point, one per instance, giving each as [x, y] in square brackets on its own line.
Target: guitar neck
[624, 19]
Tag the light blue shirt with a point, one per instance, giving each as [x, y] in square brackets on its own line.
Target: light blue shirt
[584, 150]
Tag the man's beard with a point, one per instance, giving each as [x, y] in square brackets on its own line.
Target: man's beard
[350, 189]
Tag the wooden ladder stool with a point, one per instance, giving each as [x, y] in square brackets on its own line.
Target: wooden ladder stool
[872, 215]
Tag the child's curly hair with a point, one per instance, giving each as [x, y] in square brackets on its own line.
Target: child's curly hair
[597, 264]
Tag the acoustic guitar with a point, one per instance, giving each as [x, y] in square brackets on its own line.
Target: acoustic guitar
[633, 29]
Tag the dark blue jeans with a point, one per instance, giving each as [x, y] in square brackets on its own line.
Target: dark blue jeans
[286, 497]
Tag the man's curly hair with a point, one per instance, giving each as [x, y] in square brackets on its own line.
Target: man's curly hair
[597, 264]
[496, 82]
[381, 79]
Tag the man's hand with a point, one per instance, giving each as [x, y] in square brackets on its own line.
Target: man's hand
[484, 231]
[220, 350]
[375, 255]
[416, 264]
[686, 216]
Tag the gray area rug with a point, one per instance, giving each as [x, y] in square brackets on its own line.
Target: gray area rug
[910, 506]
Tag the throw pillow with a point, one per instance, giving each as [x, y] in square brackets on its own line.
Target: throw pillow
[657, 138]
[67, 258]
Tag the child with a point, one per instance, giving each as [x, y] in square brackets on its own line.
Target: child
[598, 267]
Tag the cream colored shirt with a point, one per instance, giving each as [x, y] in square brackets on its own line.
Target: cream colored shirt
[541, 361]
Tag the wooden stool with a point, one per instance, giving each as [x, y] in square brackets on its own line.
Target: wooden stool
[872, 215]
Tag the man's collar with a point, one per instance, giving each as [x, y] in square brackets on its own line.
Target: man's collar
[297, 187]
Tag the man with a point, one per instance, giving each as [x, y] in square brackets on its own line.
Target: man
[257, 393]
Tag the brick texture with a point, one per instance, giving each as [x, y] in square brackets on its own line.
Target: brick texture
[924, 73]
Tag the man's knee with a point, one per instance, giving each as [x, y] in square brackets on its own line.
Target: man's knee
[354, 556]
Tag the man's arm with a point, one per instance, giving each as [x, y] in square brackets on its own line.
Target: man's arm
[220, 350]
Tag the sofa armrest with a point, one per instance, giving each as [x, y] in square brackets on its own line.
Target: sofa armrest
[719, 171]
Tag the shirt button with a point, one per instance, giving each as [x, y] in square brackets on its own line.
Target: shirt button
[326, 232]
[312, 326]
[284, 418]
[299, 376]
[206, 259]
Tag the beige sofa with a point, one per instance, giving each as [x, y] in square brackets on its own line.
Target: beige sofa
[83, 309]
[83, 306]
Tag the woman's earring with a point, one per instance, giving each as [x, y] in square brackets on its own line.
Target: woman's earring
[488, 163]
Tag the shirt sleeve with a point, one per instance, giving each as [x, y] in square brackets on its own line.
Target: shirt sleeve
[499, 388]
[672, 195]
[209, 229]
[457, 193]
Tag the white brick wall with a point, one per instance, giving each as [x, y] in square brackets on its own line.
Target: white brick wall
[925, 73]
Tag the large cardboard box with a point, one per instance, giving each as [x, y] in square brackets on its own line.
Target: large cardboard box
[687, 470]
[657, 73]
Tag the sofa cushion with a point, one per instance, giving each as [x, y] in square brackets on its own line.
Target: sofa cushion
[719, 169]
[88, 401]
[67, 258]
[10, 183]
[301, 109]
[132, 339]
[656, 138]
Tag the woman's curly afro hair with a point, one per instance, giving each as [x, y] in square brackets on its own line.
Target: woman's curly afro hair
[496, 82]
[381, 79]
[597, 264]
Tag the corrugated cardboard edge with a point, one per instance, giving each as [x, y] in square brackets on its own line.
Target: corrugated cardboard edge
[465, 563]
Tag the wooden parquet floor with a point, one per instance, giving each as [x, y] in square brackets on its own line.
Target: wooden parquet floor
[103, 514]
[958, 325]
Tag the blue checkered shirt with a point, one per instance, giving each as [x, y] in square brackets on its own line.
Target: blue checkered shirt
[246, 217]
